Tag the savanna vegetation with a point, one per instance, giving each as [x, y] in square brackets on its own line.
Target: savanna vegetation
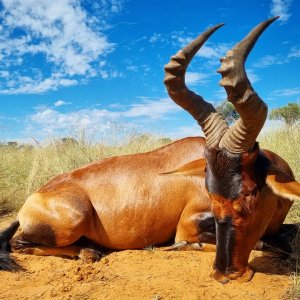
[289, 114]
[286, 143]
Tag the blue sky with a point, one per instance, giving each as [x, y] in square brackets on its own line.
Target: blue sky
[68, 66]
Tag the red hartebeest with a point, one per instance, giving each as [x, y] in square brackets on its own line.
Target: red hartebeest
[223, 190]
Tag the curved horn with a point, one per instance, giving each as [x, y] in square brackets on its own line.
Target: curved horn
[211, 122]
[253, 111]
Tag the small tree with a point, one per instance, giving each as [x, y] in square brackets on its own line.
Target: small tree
[227, 110]
[289, 114]
[12, 144]
[69, 141]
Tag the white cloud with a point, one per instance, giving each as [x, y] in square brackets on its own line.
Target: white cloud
[184, 131]
[253, 77]
[214, 51]
[195, 78]
[19, 84]
[82, 118]
[70, 41]
[269, 60]
[179, 39]
[4, 73]
[153, 109]
[294, 53]
[49, 121]
[68, 82]
[156, 37]
[60, 103]
[287, 92]
[132, 68]
[219, 95]
[281, 8]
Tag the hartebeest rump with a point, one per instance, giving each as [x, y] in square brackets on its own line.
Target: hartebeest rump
[222, 191]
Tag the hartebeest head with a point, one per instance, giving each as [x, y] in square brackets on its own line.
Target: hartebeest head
[235, 171]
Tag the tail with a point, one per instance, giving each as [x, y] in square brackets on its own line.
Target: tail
[7, 263]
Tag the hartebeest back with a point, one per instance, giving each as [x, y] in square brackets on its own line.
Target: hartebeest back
[223, 190]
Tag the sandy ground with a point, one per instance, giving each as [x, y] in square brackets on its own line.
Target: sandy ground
[140, 274]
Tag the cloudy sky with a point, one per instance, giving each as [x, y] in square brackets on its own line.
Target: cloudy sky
[97, 65]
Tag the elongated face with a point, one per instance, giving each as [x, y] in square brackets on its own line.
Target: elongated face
[234, 182]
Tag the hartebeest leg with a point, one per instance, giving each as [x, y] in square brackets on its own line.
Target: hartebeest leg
[195, 231]
[187, 246]
[281, 241]
[19, 244]
[52, 222]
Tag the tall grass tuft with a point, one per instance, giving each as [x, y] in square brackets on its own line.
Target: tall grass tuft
[286, 143]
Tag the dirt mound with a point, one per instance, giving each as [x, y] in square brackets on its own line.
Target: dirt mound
[141, 274]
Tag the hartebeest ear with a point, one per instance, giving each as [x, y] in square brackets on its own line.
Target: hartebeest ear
[282, 184]
[194, 168]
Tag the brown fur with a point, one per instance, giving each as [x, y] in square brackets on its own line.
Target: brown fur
[255, 212]
[122, 202]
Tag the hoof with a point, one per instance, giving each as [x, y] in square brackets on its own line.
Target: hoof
[89, 255]
[185, 246]
[246, 276]
[25, 251]
[220, 277]
[238, 276]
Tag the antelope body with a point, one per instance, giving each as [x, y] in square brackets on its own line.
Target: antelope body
[223, 191]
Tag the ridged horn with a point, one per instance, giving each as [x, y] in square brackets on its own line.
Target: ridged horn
[211, 122]
[253, 111]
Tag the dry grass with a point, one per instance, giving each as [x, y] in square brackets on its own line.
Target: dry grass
[286, 143]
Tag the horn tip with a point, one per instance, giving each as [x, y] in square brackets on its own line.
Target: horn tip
[273, 19]
[219, 25]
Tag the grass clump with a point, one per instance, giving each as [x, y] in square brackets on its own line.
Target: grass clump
[286, 143]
